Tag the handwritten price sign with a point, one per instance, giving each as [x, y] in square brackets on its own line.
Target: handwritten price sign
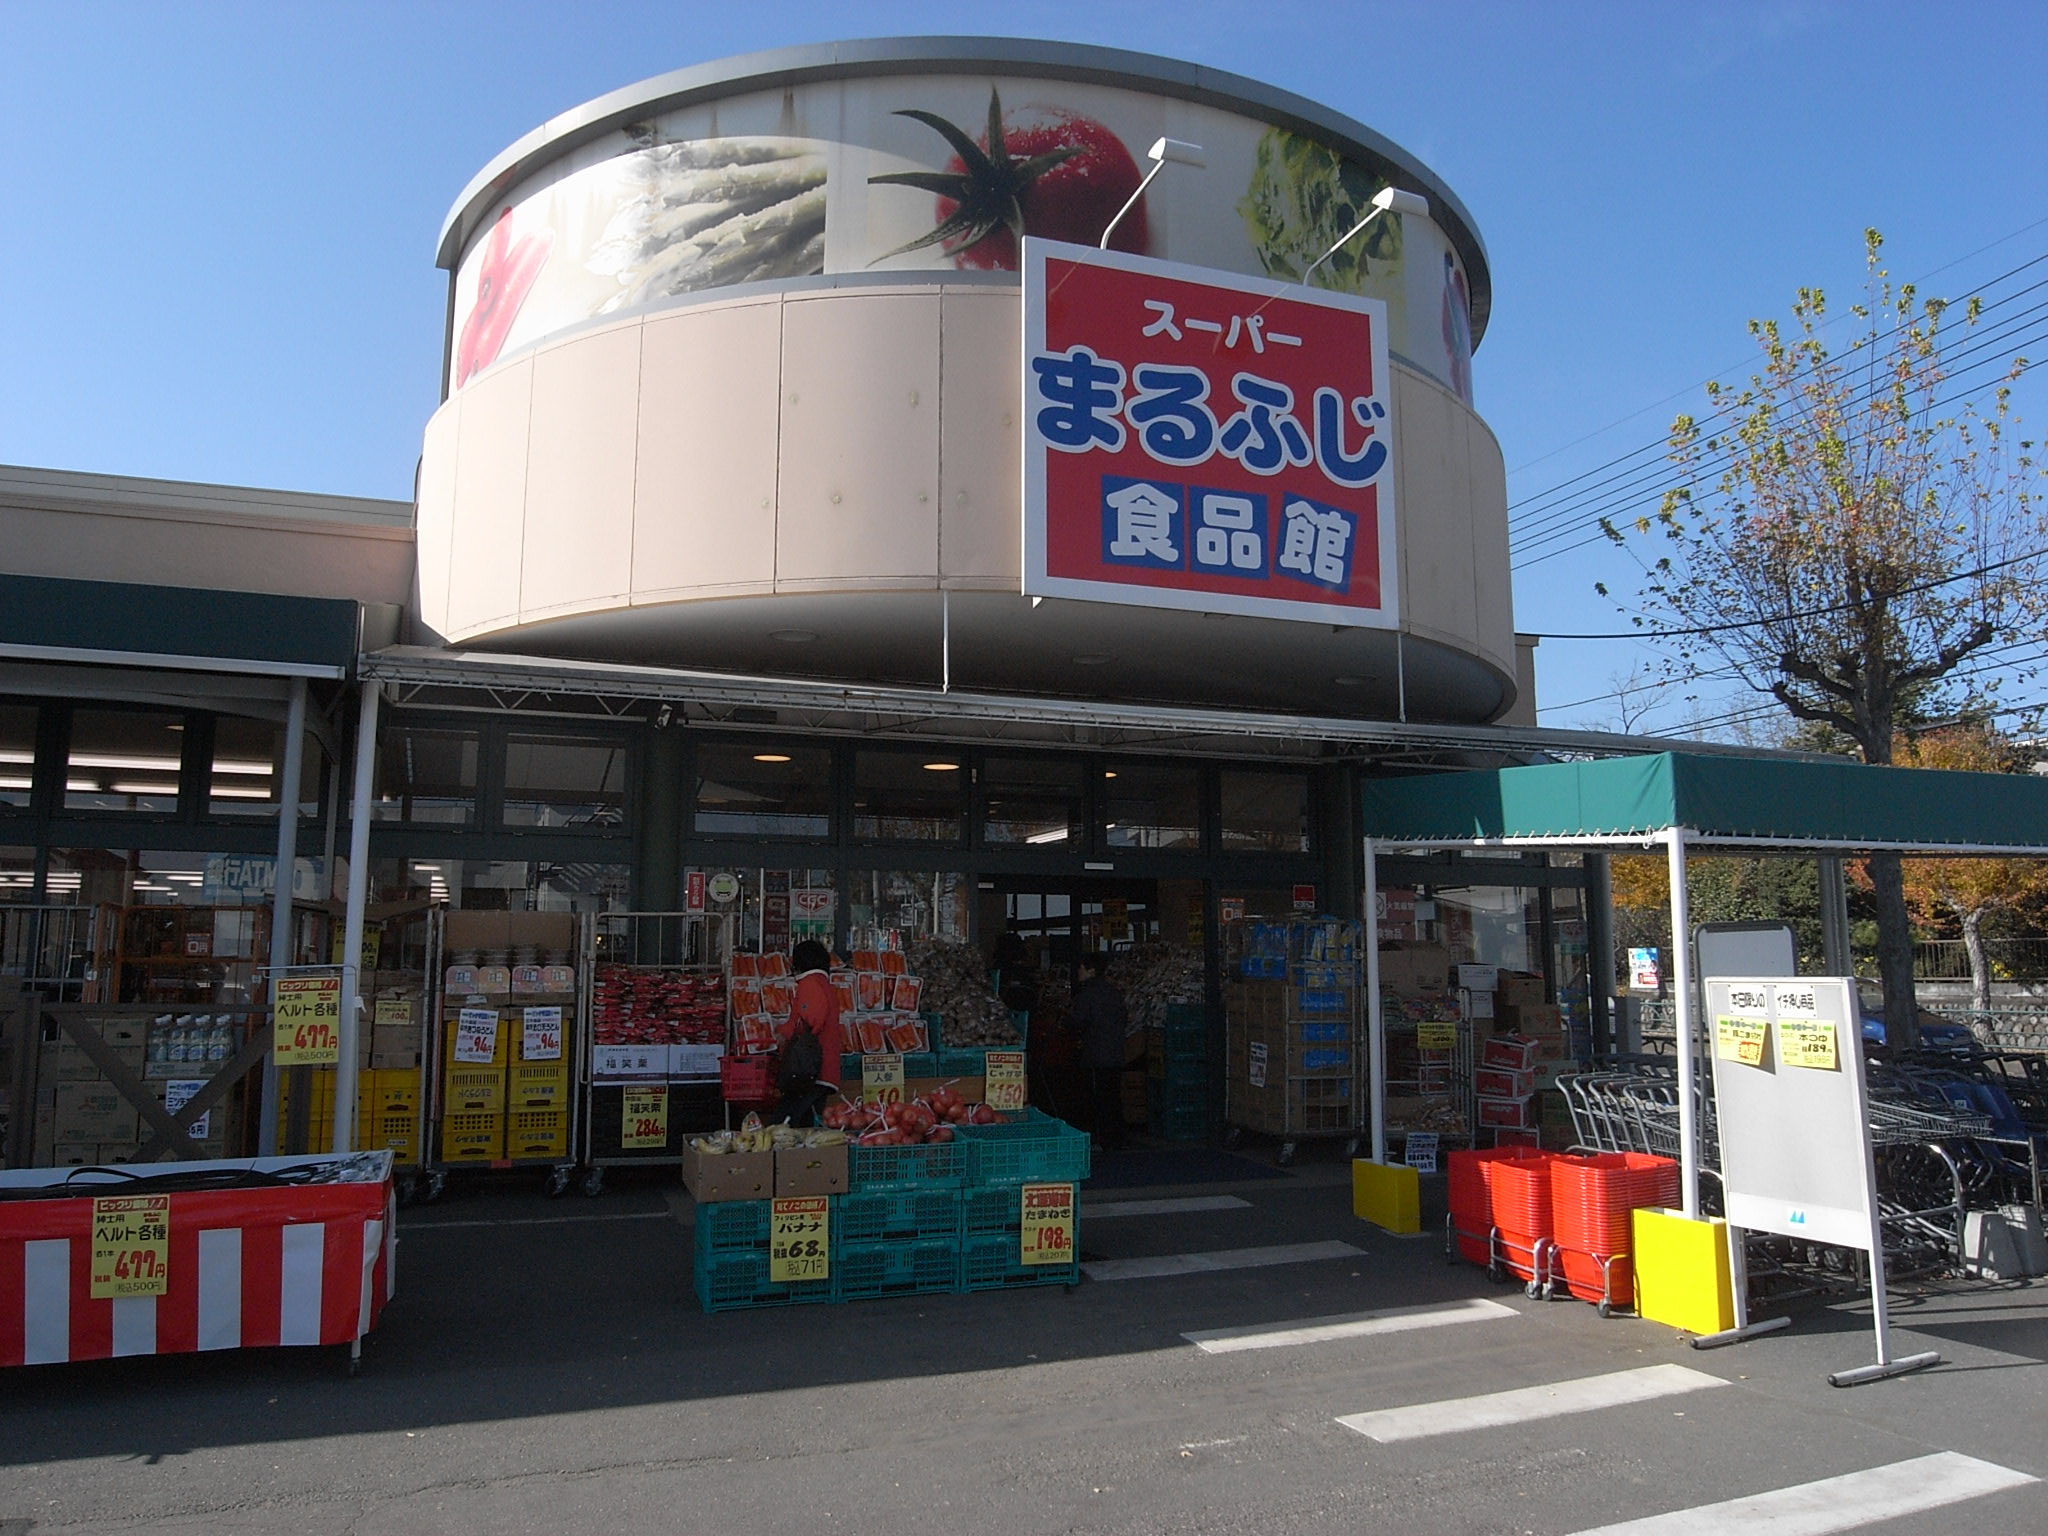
[799, 1239]
[1047, 1212]
[881, 1078]
[1740, 1040]
[1807, 1043]
[1436, 1035]
[476, 1036]
[306, 1021]
[1003, 1088]
[131, 1246]
[542, 1035]
[644, 1121]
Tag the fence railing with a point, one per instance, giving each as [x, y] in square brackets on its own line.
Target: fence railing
[2010, 959]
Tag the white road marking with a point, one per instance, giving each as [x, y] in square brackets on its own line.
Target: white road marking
[1836, 1503]
[1210, 1445]
[1496, 1408]
[412, 1227]
[1186, 1205]
[1227, 1258]
[1356, 1325]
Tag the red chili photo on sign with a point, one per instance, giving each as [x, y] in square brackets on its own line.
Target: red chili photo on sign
[1205, 440]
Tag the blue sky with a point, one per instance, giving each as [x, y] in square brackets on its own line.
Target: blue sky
[220, 218]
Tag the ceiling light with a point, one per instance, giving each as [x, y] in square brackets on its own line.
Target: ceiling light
[1092, 660]
[241, 792]
[17, 784]
[16, 757]
[1109, 773]
[97, 760]
[941, 767]
[793, 636]
[1351, 680]
[143, 789]
[771, 757]
[1058, 836]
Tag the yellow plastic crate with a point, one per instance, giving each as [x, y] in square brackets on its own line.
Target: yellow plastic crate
[389, 1088]
[394, 1131]
[538, 1085]
[473, 1090]
[537, 1133]
[1683, 1278]
[1386, 1194]
[472, 1138]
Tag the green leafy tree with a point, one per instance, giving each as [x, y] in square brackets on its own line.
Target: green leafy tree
[1843, 541]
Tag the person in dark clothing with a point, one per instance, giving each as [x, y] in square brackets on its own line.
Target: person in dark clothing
[1099, 1017]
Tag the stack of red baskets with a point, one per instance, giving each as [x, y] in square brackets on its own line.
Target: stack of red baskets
[1476, 1188]
[1591, 1199]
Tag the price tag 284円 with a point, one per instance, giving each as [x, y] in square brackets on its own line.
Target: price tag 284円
[643, 1123]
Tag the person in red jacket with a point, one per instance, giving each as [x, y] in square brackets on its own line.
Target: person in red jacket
[816, 1009]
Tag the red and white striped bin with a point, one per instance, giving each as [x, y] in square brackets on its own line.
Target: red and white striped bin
[270, 1264]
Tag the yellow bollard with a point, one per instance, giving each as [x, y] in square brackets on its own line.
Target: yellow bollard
[1682, 1273]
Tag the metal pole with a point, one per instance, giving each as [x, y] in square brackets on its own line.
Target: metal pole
[1401, 674]
[1376, 1043]
[1836, 957]
[352, 931]
[945, 641]
[1681, 986]
[281, 886]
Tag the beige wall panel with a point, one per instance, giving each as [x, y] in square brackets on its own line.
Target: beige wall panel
[1435, 511]
[980, 448]
[704, 497]
[578, 549]
[490, 500]
[435, 520]
[1494, 591]
[860, 439]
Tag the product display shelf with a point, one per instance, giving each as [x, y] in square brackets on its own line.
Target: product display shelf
[1294, 1031]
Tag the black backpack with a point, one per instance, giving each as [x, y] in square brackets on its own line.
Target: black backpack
[803, 1058]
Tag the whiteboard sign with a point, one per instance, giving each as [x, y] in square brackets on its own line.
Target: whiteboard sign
[1794, 1127]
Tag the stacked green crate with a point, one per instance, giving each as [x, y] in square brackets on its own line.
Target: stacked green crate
[1177, 1074]
[1032, 1149]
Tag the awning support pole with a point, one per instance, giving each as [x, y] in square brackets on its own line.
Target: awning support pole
[1376, 1034]
[281, 887]
[1681, 987]
[352, 930]
[1837, 958]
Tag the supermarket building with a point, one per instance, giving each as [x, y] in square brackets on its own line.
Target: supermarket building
[719, 584]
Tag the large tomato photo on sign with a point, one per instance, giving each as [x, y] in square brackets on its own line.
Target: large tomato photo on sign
[1041, 170]
[1199, 439]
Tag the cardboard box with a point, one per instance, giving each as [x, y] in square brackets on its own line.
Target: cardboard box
[1411, 969]
[92, 1112]
[1515, 988]
[1511, 1114]
[1533, 1019]
[1503, 1083]
[809, 1171]
[64, 1059]
[734, 1176]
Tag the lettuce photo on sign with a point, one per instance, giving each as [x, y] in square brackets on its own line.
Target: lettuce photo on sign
[1303, 197]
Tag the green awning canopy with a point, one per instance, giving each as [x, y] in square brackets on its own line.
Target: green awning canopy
[1782, 802]
[55, 618]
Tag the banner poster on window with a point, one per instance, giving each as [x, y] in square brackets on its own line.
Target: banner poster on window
[811, 914]
[1205, 440]
[775, 920]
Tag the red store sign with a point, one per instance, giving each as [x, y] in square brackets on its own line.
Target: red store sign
[1203, 440]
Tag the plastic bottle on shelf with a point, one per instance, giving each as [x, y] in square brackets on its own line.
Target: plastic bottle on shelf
[219, 1045]
[181, 1043]
[159, 1048]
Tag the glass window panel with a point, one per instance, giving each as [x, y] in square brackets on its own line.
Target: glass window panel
[17, 874]
[124, 760]
[1152, 805]
[17, 753]
[427, 774]
[247, 756]
[909, 797]
[907, 903]
[1264, 811]
[1035, 800]
[498, 885]
[763, 790]
[564, 781]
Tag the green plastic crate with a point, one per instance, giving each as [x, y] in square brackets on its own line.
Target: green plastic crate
[877, 1170]
[1030, 1148]
[727, 1226]
[991, 1208]
[991, 1262]
[898, 1268]
[727, 1282]
[906, 1213]
[964, 1061]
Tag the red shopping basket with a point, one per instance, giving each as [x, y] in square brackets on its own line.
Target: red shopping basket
[1471, 1179]
[1592, 1199]
[747, 1079]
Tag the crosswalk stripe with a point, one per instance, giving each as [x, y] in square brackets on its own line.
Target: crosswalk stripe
[1184, 1205]
[1496, 1408]
[1835, 1503]
[1227, 1258]
[1356, 1325]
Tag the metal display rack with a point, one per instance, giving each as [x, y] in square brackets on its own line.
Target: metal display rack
[649, 947]
[1294, 1020]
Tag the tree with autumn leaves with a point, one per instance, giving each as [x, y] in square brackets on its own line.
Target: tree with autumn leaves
[1845, 534]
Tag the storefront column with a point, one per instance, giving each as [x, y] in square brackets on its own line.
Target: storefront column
[1681, 988]
[1376, 1019]
[1600, 953]
[1837, 958]
[281, 886]
[352, 931]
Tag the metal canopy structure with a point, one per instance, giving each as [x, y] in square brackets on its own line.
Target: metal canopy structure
[425, 675]
[1825, 807]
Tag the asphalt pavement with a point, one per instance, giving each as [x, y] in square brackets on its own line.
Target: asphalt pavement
[545, 1368]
